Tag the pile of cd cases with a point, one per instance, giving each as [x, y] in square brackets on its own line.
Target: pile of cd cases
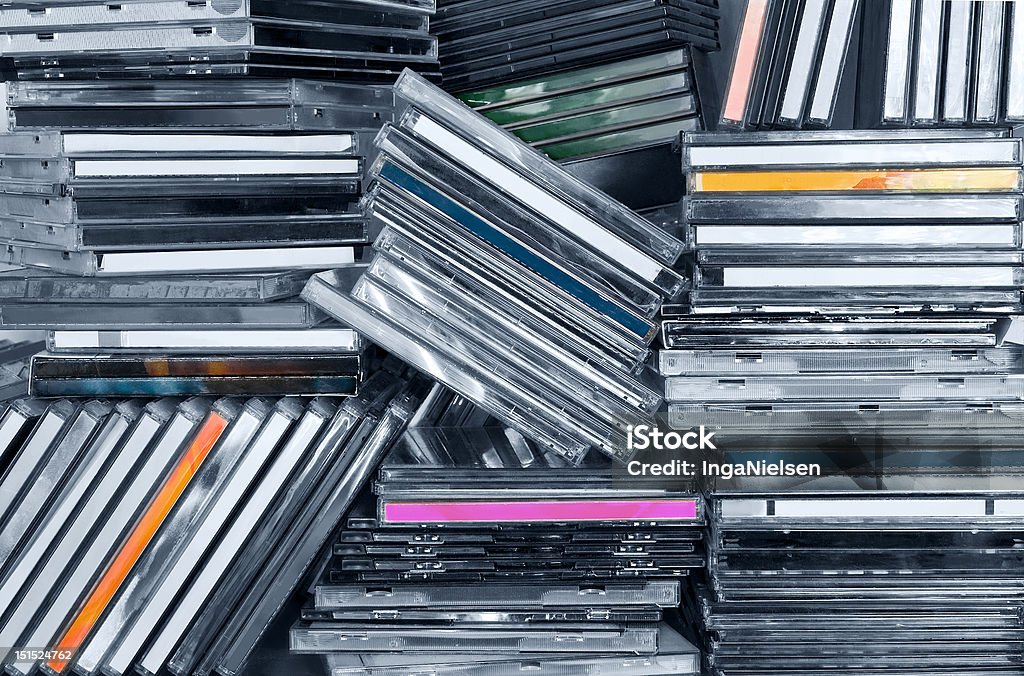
[173, 335]
[850, 222]
[483, 43]
[480, 557]
[526, 291]
[351, 40]
[167, 226]
[173, 177]
[946, 64]
[920, 578]
[167, 535]
[136, 203]
[788, 63]
[615, 125]
[909, 393]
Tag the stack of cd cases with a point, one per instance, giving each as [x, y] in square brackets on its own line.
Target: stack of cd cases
[485, 555]
[854, 221]
[515, 284]
[907, 393]
[614, 125]
[351, 40]
[483, 43]
[919, 577]
[114, 202]
[946, 64]
[169, 534]
[789, 63]
[167, 226]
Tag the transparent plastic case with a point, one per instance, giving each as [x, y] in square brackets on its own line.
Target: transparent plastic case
[53, 466]
[986, 104]
[653, 593]
[94, 461]
[168, 12]
[649, 36]
[603, 429]
[270, 37]
[178, 375]
[735, 106]
[822, 235]
[898, 60]
[518, 96]
[839, 35]
[261, 450]
[989, 424]
[784, 362]
[803, 62]
[197, 648]
[484, 511]
[716, 300]
[956, 76]
[36, 570]
[214, 233]
[884, 208]
[893, 149]
[929, 25]
[278, 105]
[335, 637]
[864, 388]
[147, 316]
[675, 655]
[29, 285]
[291, 341]
[767, 331]
[518, 43]
[32, 455]
[181, 261]
[1015, 67]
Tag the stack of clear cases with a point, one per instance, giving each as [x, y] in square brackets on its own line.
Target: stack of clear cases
[176, 335]
[918, 577]
[481, 553]
[137, 534]
[615, 126]
[854, 221]
[789, 64]
[171, 224]
[526, 291]
[482, 44]
[137, 203]
[350, 40]
[914, 392]
[938, 64]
